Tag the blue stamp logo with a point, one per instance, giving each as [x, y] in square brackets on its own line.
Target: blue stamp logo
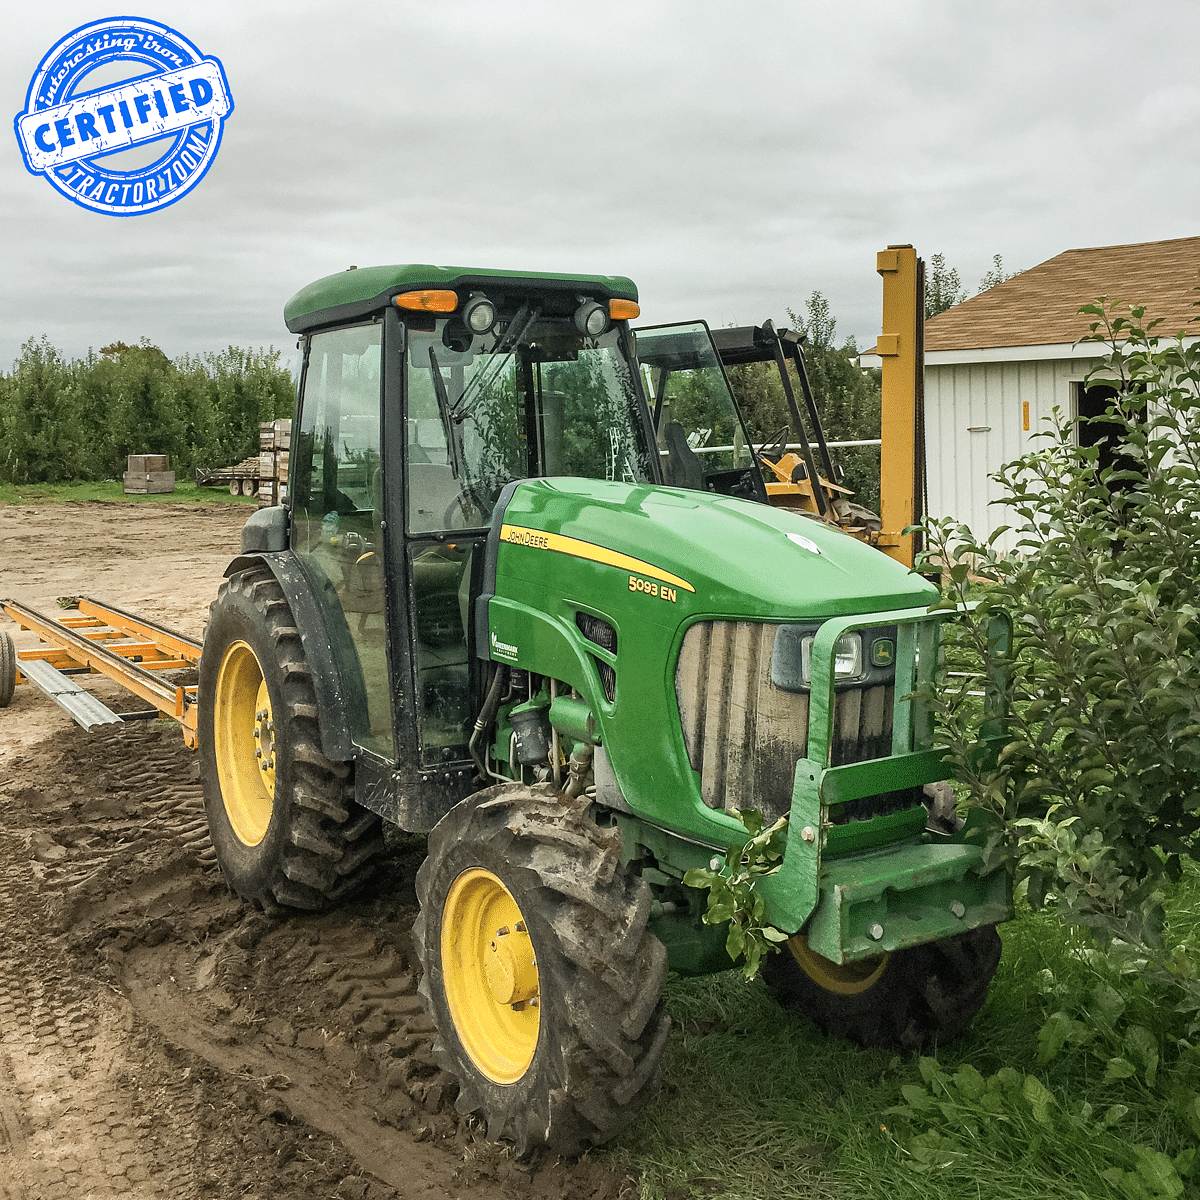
[124, 116]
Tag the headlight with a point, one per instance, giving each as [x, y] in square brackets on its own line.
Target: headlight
[866, 656]
[847, 658]
[591, 319]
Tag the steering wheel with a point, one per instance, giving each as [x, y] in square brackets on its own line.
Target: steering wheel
[466, 511]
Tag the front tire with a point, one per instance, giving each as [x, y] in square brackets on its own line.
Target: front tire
[911, 999]
[539, 970]
[280, 814]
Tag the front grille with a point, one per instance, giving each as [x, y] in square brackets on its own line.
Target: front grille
[743, 734]
[862, 724]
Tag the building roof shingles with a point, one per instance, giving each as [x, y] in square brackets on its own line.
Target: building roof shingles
[1041, 306]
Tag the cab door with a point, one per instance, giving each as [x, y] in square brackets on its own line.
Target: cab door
[337, 524]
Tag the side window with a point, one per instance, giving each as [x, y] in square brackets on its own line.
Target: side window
[701, 440]
[441, 579]
[337, 503]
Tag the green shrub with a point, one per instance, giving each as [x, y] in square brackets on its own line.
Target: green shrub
[1096, 794]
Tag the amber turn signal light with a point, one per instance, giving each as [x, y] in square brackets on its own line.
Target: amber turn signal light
[428, 300]
[623, 310]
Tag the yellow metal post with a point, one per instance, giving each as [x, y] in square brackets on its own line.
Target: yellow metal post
[901, 347]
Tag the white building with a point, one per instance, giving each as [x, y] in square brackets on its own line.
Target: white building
[998, 364]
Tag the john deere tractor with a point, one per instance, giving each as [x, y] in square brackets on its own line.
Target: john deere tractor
[515, 603]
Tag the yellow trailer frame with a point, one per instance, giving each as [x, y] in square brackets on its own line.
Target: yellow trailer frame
[105, 640]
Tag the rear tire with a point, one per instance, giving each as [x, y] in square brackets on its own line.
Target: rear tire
[290, 834]
[912, 999]
[539, 970]
[8, 668]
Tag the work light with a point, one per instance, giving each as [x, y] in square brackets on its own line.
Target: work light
[591, 318]
[479, 314]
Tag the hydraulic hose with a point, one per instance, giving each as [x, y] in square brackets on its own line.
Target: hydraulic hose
[487, 714]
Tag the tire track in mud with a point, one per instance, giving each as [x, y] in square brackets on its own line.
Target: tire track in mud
[72, 1126]
[109, 892]
[322, 1014]
[241, 1052]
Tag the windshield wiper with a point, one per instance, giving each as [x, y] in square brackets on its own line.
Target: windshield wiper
[479, 383]
[443, 397]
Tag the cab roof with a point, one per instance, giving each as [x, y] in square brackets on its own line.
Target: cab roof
[363, 290]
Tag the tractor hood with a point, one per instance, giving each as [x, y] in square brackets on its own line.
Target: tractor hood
[688, 553]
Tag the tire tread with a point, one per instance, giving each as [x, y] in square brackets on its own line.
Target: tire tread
[329, 843]
[605, 970]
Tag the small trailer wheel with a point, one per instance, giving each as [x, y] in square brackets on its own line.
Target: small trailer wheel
[235, 487]
[8, 668]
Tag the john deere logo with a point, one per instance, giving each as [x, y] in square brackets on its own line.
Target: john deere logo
[78, 123]
[883, 653]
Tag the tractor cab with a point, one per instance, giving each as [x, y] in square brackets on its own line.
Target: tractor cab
[424, 393]
[701, 434]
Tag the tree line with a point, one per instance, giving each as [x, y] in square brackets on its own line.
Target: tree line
[78, 419]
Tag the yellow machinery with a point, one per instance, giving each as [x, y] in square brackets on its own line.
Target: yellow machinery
[901, 346]
[805, 479]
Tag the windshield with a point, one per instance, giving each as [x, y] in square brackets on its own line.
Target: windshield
[483, 411]
[696, 422]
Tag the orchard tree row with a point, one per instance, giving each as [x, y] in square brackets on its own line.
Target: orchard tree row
[66, 419]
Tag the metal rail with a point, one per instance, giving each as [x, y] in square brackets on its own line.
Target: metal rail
[108, 641]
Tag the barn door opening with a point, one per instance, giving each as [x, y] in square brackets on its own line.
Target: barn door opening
[1092, 406]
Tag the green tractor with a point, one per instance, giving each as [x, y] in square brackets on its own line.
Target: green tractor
[526, 596]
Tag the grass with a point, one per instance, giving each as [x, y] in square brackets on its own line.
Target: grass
[757, 1104]
[112, 491]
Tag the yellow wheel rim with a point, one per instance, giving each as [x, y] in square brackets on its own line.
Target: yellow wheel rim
[849, 979]
[490, 975]
[244, 737]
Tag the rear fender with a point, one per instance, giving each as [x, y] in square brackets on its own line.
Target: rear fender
[338, 691]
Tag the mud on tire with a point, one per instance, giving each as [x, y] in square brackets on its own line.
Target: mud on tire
[297, 838]
[575, 1074]
[910, 998]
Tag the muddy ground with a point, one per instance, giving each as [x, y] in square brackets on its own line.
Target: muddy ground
[158, 1037]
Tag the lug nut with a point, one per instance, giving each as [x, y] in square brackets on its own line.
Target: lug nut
[808, 834]
[714, 863]
[875, 932]
[959, 909]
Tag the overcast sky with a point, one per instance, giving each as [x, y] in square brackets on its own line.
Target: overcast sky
[730, 158]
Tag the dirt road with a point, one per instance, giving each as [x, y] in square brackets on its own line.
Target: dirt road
[158, 1037]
